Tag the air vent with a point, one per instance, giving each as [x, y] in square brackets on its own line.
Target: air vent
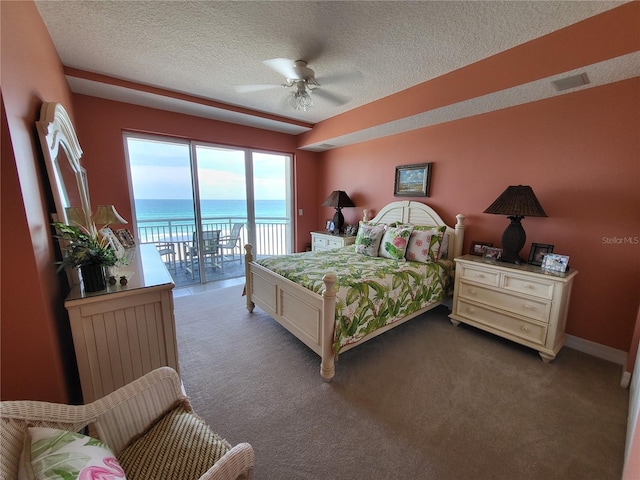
[326, 146]
[571, 82]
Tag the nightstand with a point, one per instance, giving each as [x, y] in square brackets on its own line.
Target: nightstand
[321, 241]
[519, 302]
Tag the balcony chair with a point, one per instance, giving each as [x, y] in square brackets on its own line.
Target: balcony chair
[147, 425]
[231, 242]
[168, 250]
[211, 251]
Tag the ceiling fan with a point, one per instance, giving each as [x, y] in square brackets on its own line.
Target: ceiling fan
[301, 82]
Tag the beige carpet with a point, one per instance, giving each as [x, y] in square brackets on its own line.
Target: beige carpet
[424, 401]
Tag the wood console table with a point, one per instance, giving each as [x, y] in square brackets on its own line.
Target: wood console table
[123, 332]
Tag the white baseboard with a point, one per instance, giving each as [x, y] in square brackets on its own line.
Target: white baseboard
[597, 350]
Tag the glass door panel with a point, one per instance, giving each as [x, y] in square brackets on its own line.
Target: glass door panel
[163, 203]
[272, 204]
[221, 186]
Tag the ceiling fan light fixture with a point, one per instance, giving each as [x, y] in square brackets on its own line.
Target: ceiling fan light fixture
[300, 100]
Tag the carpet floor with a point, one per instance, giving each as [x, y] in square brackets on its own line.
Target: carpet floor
[426, 400]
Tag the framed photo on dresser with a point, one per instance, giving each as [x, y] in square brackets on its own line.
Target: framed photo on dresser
[538, 251]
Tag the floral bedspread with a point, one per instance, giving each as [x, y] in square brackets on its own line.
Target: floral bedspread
[371, 292]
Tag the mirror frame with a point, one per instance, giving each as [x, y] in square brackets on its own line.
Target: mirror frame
[55, 129]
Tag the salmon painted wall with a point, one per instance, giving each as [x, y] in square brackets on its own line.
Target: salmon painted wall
[580, 152]
[101, 124]
[37, 359]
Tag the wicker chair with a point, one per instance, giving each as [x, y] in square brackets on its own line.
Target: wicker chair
[116, 419]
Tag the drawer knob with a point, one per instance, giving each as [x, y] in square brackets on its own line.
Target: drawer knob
[524, 328]
[528, 307]
[472, 291]
[480, 275]
[470, 310]
[528, 285]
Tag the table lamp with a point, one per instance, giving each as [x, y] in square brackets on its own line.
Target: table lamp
[106, 215]
[516, 202]
[338, 199]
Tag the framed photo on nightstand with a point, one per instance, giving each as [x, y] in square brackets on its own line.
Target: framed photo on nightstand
[538, 251]
[492, 254]
[477, 248]
[555, 263]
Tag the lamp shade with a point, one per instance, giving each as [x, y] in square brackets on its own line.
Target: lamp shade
[338, 199]
[106, 215]
[518, 201]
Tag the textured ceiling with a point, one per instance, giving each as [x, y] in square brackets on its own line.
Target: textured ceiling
[204, 48]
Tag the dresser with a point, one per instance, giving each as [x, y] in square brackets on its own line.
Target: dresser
[519, 302]
[123, 332]
[321, 241]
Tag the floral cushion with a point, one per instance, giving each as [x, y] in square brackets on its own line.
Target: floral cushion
[53, 454]
[368, 239]
[394, 242]
[425, 243]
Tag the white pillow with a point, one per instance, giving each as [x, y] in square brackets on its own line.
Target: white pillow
[368, 239]
[51, 454]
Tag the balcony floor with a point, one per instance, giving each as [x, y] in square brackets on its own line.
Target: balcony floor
[233, 270]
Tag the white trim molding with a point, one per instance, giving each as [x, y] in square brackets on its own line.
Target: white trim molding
[598, 350]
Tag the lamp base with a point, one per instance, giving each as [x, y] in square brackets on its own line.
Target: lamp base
[513, 239]
[338, 221]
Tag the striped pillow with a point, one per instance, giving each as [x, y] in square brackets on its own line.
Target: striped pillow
[180, 446]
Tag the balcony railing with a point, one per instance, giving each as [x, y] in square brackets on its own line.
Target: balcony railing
[272, 233]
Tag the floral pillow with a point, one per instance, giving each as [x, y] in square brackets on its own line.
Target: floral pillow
[368, 239]
[51, 454]
[425, 243]
[394, 242]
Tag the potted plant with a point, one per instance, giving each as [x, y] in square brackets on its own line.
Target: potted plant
[84, 247]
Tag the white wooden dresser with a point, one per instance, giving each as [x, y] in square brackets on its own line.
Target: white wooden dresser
[519, 302]
[123, 332]
[321, 241]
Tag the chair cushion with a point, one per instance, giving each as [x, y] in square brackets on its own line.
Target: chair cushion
[180, 446]
[52, 454]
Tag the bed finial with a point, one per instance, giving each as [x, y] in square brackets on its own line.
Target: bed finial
[365, 215]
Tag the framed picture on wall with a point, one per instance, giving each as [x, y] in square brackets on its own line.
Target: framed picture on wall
[412, 180]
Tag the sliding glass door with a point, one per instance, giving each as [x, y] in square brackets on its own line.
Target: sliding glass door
[204, 202]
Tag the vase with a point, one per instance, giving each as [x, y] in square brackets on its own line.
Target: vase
[93, 277]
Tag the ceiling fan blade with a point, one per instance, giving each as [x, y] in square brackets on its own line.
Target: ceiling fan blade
[255, 88]
[283, 66]
[330, 97]
[352, 76]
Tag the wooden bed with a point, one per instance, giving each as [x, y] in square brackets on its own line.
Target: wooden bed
[311, 317]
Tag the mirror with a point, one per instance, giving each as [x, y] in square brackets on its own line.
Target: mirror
[67, 177]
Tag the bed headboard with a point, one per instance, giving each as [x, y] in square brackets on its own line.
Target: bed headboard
[417, 213]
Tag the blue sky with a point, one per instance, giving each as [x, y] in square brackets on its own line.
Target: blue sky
[161, 170]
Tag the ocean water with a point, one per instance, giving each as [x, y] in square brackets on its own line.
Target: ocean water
[150, 211]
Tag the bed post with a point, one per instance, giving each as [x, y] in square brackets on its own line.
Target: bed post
[459, 228]
[248, 288]
[327, 366]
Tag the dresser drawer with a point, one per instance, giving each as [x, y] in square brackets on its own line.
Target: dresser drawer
[479, 275]
[335, 242]
[320, 241]
[535, 287]
[536, 309]
[531, 332]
